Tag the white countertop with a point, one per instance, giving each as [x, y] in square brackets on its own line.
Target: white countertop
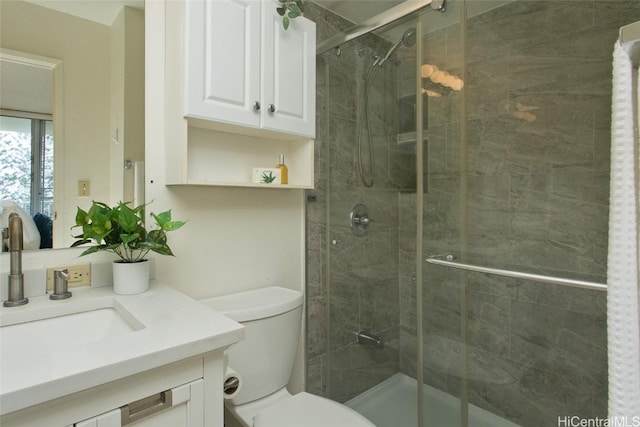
[169, 326]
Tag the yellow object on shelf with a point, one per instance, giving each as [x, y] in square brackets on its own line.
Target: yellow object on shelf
[284, 170]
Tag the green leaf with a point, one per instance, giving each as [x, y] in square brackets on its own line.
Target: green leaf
[173, 225]
[157, 237]
[98, 209]
[285, 22]
[162, 250]
[300, 4]
[162, 218]
[127, 218]
[93, 249]
[281, 10]
[80, 242]
[128, 238]
[294, 10]
[82, 217]
[164, 221]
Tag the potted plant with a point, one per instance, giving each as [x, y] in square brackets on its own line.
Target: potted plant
[121, 230]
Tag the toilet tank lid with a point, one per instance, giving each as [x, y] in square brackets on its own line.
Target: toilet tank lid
[256, 304]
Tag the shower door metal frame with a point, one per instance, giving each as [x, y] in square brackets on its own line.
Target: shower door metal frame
[403, 10]
[419, 222]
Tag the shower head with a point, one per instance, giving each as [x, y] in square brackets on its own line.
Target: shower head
[439, 5]
[408, 39]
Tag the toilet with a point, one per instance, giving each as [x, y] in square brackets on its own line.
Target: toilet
[264, 360]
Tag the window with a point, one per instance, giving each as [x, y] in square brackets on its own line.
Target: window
[26, 150]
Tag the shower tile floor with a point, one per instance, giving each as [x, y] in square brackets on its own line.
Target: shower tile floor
[392, 403]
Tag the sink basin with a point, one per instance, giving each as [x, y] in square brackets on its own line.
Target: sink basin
[67, 330]
[29, 332]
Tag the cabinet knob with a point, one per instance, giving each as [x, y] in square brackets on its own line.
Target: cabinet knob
[256, 105]
[272, 108]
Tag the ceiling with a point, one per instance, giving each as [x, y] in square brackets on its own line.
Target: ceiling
[101, 11]
[105, 11]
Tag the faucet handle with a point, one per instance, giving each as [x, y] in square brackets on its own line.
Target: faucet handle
[16, 236]
[5, 240]
[60, 285]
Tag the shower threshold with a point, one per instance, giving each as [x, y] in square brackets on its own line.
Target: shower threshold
[392, 403]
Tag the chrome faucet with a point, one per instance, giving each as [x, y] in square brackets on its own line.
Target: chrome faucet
[365, 337]
[60, 285]
[16, 278]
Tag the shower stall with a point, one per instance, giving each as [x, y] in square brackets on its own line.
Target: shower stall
[454, 136]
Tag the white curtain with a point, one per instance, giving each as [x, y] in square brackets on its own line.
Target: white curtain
[622, 275]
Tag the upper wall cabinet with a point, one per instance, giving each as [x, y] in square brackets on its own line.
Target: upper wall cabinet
[243, 69]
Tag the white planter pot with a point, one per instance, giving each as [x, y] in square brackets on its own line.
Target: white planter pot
[130, 278]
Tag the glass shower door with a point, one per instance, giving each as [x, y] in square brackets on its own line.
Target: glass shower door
[441, 293]
[368, 169]
[528, 192]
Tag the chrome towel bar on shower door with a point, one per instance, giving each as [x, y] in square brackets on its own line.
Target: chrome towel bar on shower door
[448, 261]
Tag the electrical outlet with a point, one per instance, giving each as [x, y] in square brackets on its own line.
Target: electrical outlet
[79, 275]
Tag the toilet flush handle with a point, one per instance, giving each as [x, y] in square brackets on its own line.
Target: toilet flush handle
[231, 385]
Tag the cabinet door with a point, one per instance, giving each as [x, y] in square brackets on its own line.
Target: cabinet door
[110, 419]
[288, 73]
[222, 76]
[185, 408]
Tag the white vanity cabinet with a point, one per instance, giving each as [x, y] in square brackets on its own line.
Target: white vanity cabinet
[194, 399]
[243, 68]
[162, 366]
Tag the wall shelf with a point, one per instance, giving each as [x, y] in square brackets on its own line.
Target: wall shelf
[215, 158]
[244, 185]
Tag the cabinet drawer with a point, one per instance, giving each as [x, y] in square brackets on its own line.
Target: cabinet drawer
[181, 406]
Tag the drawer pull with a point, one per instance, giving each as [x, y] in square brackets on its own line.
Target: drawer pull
[142, 408]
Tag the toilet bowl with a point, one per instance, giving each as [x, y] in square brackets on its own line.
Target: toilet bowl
[264, 360]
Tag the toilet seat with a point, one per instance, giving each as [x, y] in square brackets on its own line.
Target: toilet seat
[304, 409]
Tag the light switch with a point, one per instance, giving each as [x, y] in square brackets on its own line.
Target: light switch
[84, 188]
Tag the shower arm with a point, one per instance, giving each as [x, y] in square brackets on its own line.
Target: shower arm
[389, 53]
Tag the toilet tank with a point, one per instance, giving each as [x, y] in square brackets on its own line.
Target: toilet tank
[264, 359]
